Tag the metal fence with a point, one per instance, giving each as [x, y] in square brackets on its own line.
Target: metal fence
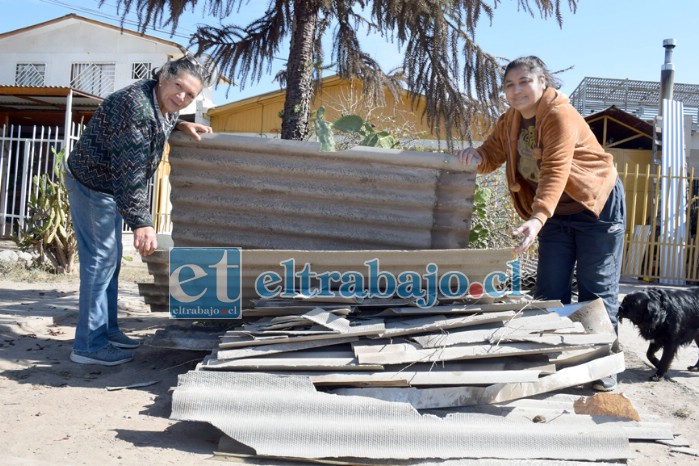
[28, 151]
[655, 249]
[25, 151]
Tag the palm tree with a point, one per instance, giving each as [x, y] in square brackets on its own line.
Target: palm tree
[443, 64]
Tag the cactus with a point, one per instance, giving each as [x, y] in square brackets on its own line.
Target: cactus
[324, 131]
[48, 228]
[353, 125]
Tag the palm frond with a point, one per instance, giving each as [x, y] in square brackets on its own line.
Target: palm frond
[443, 64]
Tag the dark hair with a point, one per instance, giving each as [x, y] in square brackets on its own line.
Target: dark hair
[534, 65]
[187, 63]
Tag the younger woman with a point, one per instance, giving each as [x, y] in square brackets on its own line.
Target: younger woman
[564, 186]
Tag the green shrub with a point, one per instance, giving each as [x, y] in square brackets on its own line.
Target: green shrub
[480, 232]
[493, 218]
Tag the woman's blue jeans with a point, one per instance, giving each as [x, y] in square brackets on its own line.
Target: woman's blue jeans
[592, 246]
[97, 224]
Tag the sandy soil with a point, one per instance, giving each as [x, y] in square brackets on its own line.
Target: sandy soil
[56, 412]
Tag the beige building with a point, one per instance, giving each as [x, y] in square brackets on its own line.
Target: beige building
[260, 115]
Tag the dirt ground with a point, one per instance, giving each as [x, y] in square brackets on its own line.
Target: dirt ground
[56, 412]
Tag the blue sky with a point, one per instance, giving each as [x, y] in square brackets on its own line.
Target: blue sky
[606, 38]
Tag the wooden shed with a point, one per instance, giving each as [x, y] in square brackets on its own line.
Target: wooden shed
[630, 140]
[626, 136]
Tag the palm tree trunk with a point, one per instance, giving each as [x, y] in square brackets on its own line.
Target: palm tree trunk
[299, 86]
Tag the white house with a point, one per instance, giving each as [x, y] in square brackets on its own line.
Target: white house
[53, 76]
[85, 55]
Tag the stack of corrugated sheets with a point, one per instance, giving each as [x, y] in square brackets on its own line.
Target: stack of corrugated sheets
[349, 381]
[384, 345]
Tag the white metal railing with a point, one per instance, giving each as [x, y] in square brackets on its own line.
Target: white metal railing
[25, 152]
[30, 74]
[94, 78]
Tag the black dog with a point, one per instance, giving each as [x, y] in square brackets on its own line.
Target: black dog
[667, 318]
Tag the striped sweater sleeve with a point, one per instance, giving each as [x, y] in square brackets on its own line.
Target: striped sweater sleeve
[131, 161]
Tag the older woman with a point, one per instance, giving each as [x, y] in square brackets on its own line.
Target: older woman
[107, 180]
[563, 184]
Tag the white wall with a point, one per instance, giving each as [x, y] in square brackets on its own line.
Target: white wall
[61, 44]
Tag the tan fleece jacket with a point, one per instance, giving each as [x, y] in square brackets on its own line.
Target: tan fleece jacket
[572, 161]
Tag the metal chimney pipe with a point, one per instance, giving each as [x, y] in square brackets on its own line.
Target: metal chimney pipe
[667, 72]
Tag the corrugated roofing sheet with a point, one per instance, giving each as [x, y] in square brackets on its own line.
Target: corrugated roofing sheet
[641, 98]
[256, 193]
[286, 417]
[45, 99]
[251, 192]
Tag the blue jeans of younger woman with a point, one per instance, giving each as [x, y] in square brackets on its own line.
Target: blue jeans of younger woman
[592, 246]
[97, 224]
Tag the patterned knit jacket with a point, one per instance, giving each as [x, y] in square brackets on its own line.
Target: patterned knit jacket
[120, 148]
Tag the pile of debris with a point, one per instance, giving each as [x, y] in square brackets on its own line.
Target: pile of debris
[407, 346]
[345, 381]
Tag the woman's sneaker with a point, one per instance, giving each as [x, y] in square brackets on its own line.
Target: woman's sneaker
[606, 384]
[122, 341]
[107, 356]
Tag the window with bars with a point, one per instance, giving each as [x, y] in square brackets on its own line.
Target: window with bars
[141, 70]
[93, 78]
[30, 74]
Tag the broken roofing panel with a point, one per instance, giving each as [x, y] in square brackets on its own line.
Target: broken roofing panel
[286, 417]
